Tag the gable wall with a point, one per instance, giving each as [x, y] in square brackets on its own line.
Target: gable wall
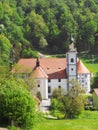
[84, 81]
[43, 88]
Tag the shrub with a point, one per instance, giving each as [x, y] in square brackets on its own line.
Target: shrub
[92, 108]
[13, 128]
[16, 104]
[54, 104]
[58, 92]
[28, 53]
[70, 103]
[86, 107]
[39, 95]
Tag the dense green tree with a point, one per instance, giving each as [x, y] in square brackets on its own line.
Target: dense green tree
[71, 103]
[36, 27]
[29, 53]
[17, 103]
[32, 21]
[94, 81]
[42, 42]
[5, 47]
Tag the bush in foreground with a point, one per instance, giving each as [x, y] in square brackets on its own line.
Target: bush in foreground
[17, 105]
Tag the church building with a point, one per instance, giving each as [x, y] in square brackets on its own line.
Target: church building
[51, 73]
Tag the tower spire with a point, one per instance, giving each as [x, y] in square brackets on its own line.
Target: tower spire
[71, 46]
[71, 39]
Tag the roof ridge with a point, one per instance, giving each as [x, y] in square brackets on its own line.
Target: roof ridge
[45, 74]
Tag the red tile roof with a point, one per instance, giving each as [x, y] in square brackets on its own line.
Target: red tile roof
[82, 68]
[96, 91]
[24, 66]
[52, 68]
[39, 73]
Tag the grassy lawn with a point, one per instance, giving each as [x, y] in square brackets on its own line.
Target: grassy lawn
[88, 120]
[91, 61]
[76, 124]
[93, 67]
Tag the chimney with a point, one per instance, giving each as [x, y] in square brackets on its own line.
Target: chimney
[37, 62]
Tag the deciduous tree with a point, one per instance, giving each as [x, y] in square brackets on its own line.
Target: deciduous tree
[17, 105]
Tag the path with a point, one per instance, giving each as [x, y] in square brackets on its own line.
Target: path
[3, 129]
[41, 55]
[45, 105]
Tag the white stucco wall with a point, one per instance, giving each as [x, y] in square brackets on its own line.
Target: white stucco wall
[54, 83]
[71, 55]
[71, 65]
[43, 87]
[84, 80]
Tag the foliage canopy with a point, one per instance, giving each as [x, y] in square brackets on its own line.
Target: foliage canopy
[47, 25]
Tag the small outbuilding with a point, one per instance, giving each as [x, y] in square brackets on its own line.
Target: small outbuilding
[95, 97]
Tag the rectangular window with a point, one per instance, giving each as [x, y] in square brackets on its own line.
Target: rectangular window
[59, 80]
[82, 80]
[49, 89]
[49, 80]
[72, 60]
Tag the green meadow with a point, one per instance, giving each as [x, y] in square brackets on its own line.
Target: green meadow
[80, 124]
[90, 61]
[87, 121]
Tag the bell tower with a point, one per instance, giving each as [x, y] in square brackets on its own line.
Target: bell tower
[71, 58]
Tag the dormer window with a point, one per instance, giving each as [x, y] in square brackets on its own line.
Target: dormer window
[72, 60]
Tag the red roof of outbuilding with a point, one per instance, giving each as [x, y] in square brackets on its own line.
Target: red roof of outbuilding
[96, 91]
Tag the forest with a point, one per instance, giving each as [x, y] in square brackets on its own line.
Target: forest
[28, 26]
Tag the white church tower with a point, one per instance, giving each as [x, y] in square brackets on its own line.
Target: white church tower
[71, 58]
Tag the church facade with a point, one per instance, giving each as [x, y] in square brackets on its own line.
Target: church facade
[51, 73]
